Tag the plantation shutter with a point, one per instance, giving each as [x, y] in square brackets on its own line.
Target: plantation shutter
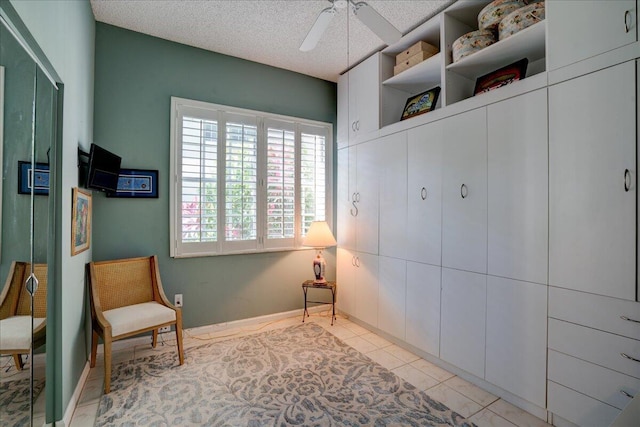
[241, 182]
[280, 184]
[197, 198]
[313, 170]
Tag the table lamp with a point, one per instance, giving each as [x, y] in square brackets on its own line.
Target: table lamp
[319, 236]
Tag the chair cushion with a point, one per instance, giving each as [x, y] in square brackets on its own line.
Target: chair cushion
[137, 317]
[15, 332]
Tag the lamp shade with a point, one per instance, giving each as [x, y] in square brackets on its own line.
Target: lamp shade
[319, 235]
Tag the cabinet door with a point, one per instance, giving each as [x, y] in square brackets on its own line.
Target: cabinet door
[581, 29]
[367, 288]
[346, 281]
[464, 192]
[367, 194]
[343, 124]
[423, 307]
[462, 340]
[392, 278]
[424, 194]
[393, 195]
[364, 96]
[346, 235]
[518, 188]
[592, 183]
[517, 337]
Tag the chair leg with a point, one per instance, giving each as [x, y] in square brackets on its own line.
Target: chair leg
[154, 340]
[179, 339]
[94, 348]
[17, 358]
[107, 364]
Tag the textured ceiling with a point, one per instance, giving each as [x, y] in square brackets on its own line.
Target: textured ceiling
[266, 31]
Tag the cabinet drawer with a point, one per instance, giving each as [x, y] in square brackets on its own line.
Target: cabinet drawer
[579, 408]
[595, 346]
[578, 307]
[593, 380]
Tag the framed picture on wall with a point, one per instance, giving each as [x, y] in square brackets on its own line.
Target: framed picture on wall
[502, 77]
[136, 183]
[81, 221]
[37, 178]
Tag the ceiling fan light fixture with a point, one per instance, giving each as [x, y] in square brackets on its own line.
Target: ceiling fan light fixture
[376, 22]
[319, 27]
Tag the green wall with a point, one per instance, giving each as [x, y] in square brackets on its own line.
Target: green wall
[135, 77]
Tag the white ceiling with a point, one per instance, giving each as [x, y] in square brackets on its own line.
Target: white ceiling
[266, 31]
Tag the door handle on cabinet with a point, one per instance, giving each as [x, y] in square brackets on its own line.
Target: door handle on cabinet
[626, 356]
[464, 191]
[355, 198]
[353, 126]
[630, 396]
[627, 14]
[629, 320]
[353, 261]
[423, 193]
[358, 261]
[357, 125]
[627, 180]
[31, 284]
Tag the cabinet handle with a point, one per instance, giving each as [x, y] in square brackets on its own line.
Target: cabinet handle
[358, 261]
[626, 356]
[627, 14]
[353, 126]
[627, 180]
[630, 396]
[353, 261]
[423, 193]
[355, 198]
[31, 284]
[464, 191]
[357, 124]
[629, 320]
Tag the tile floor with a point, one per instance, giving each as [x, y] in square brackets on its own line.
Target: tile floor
[8, 372]
[479, 406]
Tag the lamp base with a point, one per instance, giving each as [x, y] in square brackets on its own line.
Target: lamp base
[322, 281]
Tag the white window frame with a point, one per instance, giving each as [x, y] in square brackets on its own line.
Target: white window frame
[219, 113]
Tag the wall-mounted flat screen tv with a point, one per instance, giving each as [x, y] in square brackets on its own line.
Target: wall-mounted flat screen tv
[104, 168]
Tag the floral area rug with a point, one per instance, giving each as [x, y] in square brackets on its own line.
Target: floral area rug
[297, 376]
[15, 401]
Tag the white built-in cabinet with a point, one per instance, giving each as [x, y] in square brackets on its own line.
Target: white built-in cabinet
[518, 187]
[423, 233]
[423, 307]
[358, 196]
[464, 192]
[392, 174]
[463, 320]
[357, 277]
[593, 182]
[392, 296]
[516, 337]
[500, 234]
[581, 29]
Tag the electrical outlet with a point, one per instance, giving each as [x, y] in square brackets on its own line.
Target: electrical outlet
[165, 329]
[177, 300]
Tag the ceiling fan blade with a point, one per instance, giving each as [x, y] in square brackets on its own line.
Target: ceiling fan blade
[376, 23]
[318, 28]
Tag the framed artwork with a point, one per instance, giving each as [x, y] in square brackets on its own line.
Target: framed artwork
[136, 183]
[81, 221]
[502, 77]
[37, 178]
[421, 103]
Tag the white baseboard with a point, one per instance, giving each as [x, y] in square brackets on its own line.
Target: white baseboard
[75, 397]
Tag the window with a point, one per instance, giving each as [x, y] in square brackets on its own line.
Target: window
[245, 181]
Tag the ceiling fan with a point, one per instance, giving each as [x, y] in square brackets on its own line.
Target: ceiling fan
[365, 13]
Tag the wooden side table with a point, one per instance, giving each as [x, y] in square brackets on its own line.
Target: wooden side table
[330, 286]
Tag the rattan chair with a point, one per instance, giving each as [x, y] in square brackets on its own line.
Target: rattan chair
[127, 299]
[15, 312]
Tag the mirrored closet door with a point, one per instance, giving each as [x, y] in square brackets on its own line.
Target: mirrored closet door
[27, 132]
